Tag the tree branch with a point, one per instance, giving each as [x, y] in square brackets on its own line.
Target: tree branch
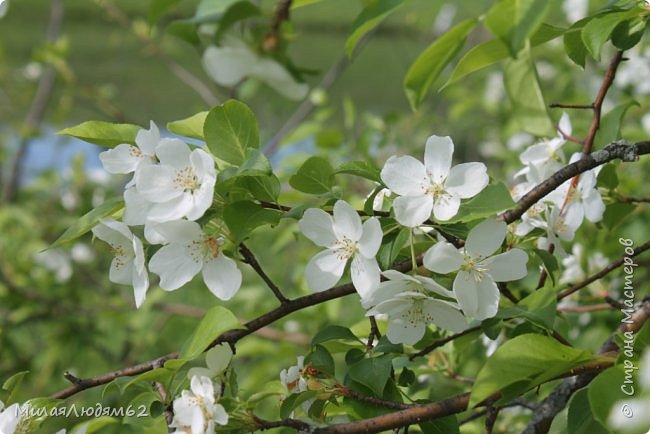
[620, 149]
[250, 259]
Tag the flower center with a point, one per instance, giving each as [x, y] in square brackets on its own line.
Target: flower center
[433, 189]
[474, 267]
[206, 248]
[416, 314]
[187, 179]
[346, 248]
[120, 254]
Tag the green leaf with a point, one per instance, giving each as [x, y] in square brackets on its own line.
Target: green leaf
[489, 52]
[264, 188]
[362, 169]
[444, 425]
[189, 127]
[515, 21]
[369, 18]
[313, 177]
[229, 130]
[321, 360]
[94, 425]
[607, 177]
[255, 164]
[616, 213]
[605, 391]
[244, 217]
[523, 90]
[391, 245]
[215, 322]
[158, 8]
[237, 12]
[628, 33]
[334, 332]
[161, 375]
[610, 125]
[493, 199]
[89, 221]
[539, 308]
[430, 63]
[12, 385]
[573, 45]
[599, 29]
[580, 419]
[372, 373]
[522, 363]
[103, 133]
[550, 262]
[185, 32]
[294, 400]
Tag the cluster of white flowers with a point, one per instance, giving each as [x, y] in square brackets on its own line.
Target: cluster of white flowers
[197, 411]
[172, 186]
[562, 212]
[410, 302]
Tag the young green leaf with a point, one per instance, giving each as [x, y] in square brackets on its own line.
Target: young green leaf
[369, 18]
[189, 127]
[313, 177]
[89, 221]
[515, 21]
[599, 29]
[103, 133]
[580, 418]
[372, 373]
[216, 321]
[430, 63]
[573, 45]
[489, 202]
[244, 217]
[522, 363]
[230, 129]
[362, 169]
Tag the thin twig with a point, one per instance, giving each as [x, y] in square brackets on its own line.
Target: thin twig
[250, 259]
[346, 391]
[440, 342]
[374, 333]
[589, 308]
[572, 106]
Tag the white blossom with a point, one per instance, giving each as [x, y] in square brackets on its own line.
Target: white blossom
[293, 378]
[190, 250]
[182, 185]
[126, 158]
[14, 419]
[345, 239]
[196, 411]
[128, 265]
[478, 268]
[433, 187]
[410, 305]
[548, 151]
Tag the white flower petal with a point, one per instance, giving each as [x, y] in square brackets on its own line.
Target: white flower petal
[404, 175]
[317, 225]
[174, 265]
[147, 140]
[180, 231]
[121, 271]
[443, 258]
[536, 153]
[201, 199]
[593, 205]
[140, 281]
[371, 237]
[365, 274]
[434, 286]
[402, 331]
[467, 180]
[228, 65]
[173, 209]
[121, 159]
[136, 207]
[412, 211]
[347, 223]
[324, 270]
[173, 152]
[445, 207]
[478, 299]
[485, 238]
[444, 315]
[507, 266]
[222, 277]
[437, 157]
[156, 183]
[220, 416]
[565, 125]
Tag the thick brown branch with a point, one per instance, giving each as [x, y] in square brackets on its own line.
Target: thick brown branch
[616, 150]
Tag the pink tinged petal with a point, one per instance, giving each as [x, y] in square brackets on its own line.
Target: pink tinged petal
[324, 270]
[536, 153]
[173, 152]
[175, 266]
[136, 207]
[412, 211]
[485, 238]
[347, 223]
[507, 266]
[222, 277]
[365, 274]
[405, 176]
[173, 209]
[180, 231]
[437, 157]
[147, 140]
[156, 183]
[370, 238]
[220, 416]
[445, 207]
[403, 331]
[444, 315]
[121, 159]
[593, 205]
[317, 225]
[467, 180]
[478, 299]
[443, 258]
